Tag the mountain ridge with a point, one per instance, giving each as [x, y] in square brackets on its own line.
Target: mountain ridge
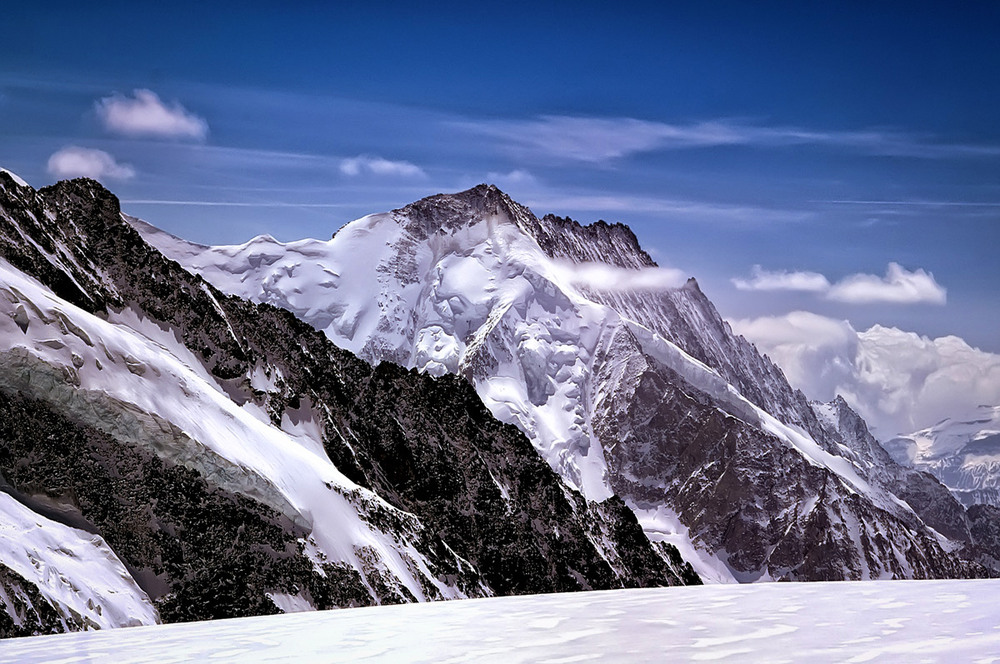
[462, 284]
[245, 406]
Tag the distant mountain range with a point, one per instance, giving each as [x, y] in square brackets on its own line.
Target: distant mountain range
[453, 399]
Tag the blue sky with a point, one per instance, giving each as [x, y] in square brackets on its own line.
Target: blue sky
[837, 158]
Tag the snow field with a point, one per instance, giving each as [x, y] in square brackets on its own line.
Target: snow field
[897, 621]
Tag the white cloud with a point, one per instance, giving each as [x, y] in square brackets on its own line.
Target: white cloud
[897, 286]
[379, 166]
[75, 162]
[602, 277]
[145, 114]
[763, 280]
[898, 381]
[513, 178]
[595, 139]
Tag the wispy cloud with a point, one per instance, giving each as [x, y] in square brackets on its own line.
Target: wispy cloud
[145, 114]
[696, 211]
[763, 280]
[513, 178]
[379, 166]
[601, 277]
[594, 139]
[74, 162]
[898, 286]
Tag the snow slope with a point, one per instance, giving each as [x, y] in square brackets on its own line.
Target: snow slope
[901, 621]
[125, 360]
[56, 558]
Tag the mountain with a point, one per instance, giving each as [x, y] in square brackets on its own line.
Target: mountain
[625, 388]
[172, 453]
[964, 453]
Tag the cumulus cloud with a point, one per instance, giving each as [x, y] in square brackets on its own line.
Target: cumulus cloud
[898, 286]
[145, 114]
[602, 277]
[76, 162]
[763, 280]
[379, 166]
[898, 381]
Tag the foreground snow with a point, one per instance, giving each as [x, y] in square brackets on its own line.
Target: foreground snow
[925, 621]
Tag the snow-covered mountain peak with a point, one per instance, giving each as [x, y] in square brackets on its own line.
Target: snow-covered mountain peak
[450, 212]
[621, 373]
[469, 283]
[963, 452]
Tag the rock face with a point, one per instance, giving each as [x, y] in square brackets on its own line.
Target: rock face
[232, 461]
[627, 391]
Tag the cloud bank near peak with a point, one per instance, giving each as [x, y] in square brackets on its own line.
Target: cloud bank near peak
[602, 277]
[599, 139]
[898, 381]
[77, 162]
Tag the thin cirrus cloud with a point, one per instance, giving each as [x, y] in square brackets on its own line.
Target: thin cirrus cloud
[898, 286]
[593, 139]
[145, 114]
[365, 164]
[75, 162]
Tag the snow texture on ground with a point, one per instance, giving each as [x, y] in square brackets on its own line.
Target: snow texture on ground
[899, 621]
